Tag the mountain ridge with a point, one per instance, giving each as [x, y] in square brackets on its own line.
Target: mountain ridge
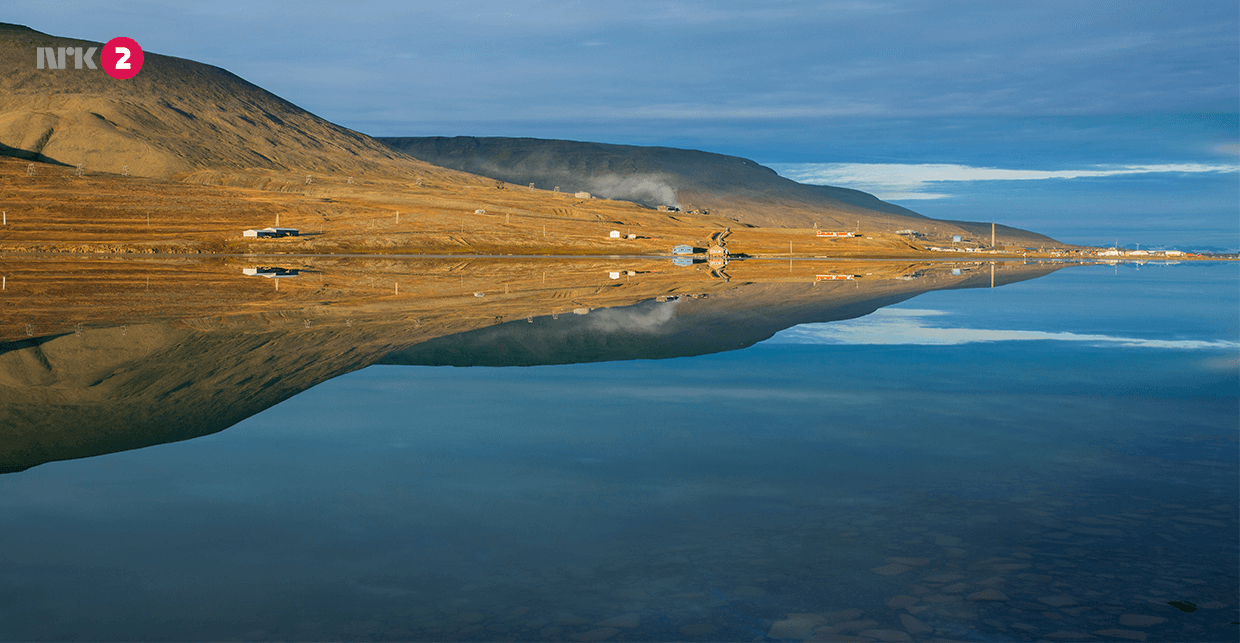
[195, 123]
[730, 186]
[175, 117]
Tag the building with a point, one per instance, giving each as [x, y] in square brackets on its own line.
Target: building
[615, 234]
[271, 232]
[582, 195]
[682, 261]
[824, 233]
[270, 272]
[717, 251]
[682, 249]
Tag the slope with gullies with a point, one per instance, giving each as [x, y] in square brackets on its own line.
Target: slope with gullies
[184, 156]
[729, 186]
[175, 117]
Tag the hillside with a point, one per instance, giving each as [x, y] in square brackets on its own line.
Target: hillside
[184, 156]
[175, 117]
[728, 186]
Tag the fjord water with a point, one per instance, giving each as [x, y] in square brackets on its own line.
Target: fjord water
[884, 478]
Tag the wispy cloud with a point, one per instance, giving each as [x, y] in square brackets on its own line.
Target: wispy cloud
[910, 326]
[900, 181]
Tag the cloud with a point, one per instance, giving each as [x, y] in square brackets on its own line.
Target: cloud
[633, 319]
[910, 327]
[900, 181]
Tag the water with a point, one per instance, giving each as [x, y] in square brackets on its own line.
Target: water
[1068, 480]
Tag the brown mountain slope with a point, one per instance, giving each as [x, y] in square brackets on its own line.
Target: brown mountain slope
[184, 121]
[730, 186]
[176, 116]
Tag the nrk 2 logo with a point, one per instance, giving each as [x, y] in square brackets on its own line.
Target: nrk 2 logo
[121, 58]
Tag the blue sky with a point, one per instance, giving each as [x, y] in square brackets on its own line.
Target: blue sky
[817, 90]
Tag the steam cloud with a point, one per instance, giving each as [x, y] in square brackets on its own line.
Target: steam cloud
[647, 189]
[640, 319]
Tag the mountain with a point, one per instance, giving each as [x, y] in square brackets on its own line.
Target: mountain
[730, 186]
[176, 116]
[199, 124]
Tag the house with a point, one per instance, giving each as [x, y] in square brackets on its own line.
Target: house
[717, 251]
[582, 195]
[269, 272]
[824, 233]
[682, 249]
[615, 234]
[271, 232]
[682, 261]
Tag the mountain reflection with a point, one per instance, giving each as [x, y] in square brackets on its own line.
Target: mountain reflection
[105, 355]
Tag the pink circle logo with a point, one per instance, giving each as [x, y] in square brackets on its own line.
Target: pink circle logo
[121, 58]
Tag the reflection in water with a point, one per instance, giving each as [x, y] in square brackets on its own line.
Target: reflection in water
[799, 489]
[104, 356]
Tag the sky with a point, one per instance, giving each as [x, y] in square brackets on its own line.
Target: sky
[1092, 121]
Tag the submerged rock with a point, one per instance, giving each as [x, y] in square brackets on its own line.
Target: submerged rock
[1131, 635]
[912, 562]
[699, 629]
[845, 615]
[600, 634]
[1140, 620]
[891, 570]
[914, 626]
[887, 635]
[1059, 600]
[1183, 606]
[902, 601]
[624, 620]
[796, 626]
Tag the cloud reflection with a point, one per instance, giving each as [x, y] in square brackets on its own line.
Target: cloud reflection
[911, 327]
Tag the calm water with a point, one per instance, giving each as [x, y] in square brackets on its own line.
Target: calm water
[884, 478]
